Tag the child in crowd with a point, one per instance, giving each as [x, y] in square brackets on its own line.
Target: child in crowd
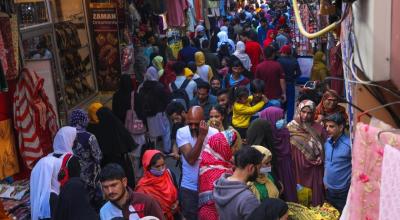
[242, 109]
[236, 78]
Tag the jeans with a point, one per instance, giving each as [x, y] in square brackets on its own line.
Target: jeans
[290, 96]
[337, 198]
[189, 201]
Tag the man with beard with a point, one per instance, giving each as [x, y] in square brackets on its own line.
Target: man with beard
[190, 141]
[123, 202]
[233, 198]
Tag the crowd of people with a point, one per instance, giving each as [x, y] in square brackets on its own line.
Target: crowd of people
[220, 108]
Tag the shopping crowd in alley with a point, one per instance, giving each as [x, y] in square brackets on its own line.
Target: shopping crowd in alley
[226, 109]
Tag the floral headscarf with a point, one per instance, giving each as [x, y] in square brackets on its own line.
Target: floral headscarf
[79, 119]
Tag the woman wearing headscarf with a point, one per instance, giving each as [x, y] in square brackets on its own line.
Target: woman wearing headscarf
[203, 70]
[150, 106]
[168, 77]
[158, 63]
[264, 186]
[328, 106]
[242, 55]
[224, 40]
[159, 183]
[216, 159]
[88, 151]
[44, 184]
[319, 70]
[271, 34]
[115, 142]
[121, 101]
[73, 203]
[283, 156]
[260, 133]
[307, 139]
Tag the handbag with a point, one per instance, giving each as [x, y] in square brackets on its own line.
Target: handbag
[132, 122]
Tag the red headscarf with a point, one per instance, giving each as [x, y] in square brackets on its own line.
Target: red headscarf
[286, 50]
[168, 77]
[269, 39]
[161, 188]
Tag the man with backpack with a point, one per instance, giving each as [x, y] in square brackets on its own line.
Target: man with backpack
[182, 89]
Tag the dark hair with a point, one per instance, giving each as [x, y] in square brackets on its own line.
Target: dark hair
[242, 16]
[263, 20]
[337, 117]
[269, 52]
[174, 107]
[219, 109]
[240, 91]
[203, 85]
[257, 86]
[179, 67]
[222, 92]
[215, 78]
[252, 35]
[185, 41]
[246, 156]
[74, 167]
[205, 44]
[112, 171]
[155, 158]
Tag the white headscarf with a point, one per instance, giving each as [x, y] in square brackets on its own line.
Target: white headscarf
[151, 74]
[224, 29]
[242, 55]
[44, 174]
[64, 140]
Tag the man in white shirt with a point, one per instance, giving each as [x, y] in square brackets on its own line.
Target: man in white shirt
[190, 141]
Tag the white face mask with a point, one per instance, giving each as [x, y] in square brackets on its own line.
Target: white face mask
[265, 170]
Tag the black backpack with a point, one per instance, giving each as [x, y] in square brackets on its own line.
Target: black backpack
[180, 95]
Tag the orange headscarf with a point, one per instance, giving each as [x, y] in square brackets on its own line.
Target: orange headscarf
[161, 188]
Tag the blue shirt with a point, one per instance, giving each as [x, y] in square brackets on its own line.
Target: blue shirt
[262, 34]
[211, 101]
[337, 175]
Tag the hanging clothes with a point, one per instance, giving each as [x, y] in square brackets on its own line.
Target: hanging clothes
[8, 156]
[336, 68]
[9, 56]
[3, 80]
[34, 118]
[198, 6]
[176, 12]
[367, 173]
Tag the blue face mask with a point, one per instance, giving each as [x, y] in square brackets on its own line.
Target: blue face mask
[156, 172]
[280, 123]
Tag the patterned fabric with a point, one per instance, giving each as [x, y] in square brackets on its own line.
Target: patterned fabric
[79, 119]
[215, 161]
[10, 57]
[34, 118]
[390, 194]
[8, 156]
[367, 155]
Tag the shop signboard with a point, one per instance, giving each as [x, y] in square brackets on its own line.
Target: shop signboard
[104, 23]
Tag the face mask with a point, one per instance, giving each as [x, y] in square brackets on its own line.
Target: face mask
[265, 170]
[156, 172]
[280, 124]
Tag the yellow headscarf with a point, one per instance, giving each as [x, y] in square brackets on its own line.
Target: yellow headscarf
[92, 112]
[199, 58]
[158, 63]
[319, 70]
[188, 73]
[262, 179]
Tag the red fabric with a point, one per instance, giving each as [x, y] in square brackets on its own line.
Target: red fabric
[253, 49]
[286, 49]
[5, 106]
[34, 118]
[336, 69]
[282, 20]
[168, 77]
[10, 57]
[269, 39]
[271, 72]
[219, 144]
[161, 188]
[198, 6]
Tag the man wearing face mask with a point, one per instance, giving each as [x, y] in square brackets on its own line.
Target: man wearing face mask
[233, 198]
[337, 175]
[190, 141]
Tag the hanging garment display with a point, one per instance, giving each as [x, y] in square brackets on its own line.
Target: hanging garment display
[34, 118]
[7, 53]
[336, 69]
[367, 157]
[198, 6]
[8, 157]
[213, 8]
[390, 188]
[176, 12]
[158, 6]
[3, 80]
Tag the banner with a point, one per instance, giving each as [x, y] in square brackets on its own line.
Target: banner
[104, 22]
